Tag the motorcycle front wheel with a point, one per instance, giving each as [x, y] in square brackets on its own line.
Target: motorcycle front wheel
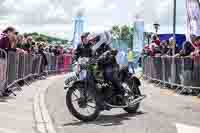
[85, 107]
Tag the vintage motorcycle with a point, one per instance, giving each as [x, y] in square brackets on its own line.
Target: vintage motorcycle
[88, 93]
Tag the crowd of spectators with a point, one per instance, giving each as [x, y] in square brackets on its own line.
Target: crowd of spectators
[169, 48]
[11, 40]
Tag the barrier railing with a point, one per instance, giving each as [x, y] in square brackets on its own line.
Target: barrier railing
[182, 73]
[3, 69]
[15, 67]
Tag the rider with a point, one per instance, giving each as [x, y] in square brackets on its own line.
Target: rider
[84, 48]
[106, 58]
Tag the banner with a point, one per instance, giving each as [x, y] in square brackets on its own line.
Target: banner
[193, 18]
[138, 36]
[78, 30]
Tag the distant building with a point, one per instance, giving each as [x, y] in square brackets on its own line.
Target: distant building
[78, 29]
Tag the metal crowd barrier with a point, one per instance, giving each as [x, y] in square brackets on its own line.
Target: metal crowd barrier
[3, 69]
[59, 64]
[182, 73]
[15, 67]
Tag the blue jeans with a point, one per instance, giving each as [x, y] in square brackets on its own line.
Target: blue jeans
[131, 66]
[112, 76]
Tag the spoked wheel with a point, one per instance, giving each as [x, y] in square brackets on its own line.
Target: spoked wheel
[132, 109]
[81, 104]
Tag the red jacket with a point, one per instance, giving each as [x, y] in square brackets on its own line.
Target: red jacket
[4, 41]
[157, 42]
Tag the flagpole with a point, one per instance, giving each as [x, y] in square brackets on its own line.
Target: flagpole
[173, 71]
[174, 25]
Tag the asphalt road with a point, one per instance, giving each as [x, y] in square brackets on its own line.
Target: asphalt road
[161, 112]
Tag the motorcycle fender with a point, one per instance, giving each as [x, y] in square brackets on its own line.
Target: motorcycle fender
[75, 83]
[72, 83]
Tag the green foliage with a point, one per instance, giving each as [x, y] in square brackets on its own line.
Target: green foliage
[115, 31]
[125, 32]
[45, 38]
[122, 32]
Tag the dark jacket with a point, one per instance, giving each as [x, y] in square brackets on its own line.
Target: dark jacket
[44, 58]
[103, 48]
[187, 49]
[27, 47]
[107, 59]
[83, 50]
[164, 49]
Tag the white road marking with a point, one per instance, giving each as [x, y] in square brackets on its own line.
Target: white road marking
[4, 130]
[182, 128]
[44, 123]
[45, 113]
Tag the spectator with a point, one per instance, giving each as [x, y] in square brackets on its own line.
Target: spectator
[57, 51]
[20, 40]
[50, 49]
[197, 47]
[44, 62]
[164, 47]
[187, 49]
[34, 48]
[6, 36]
[155, 40]
[130, 58]
[146, 51]
[172, 46]
[13, 42]
[153, 49]
[192, 39]
[61, 50]
[28, 46]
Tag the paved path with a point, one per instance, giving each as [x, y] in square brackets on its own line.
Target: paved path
[161, 112]
[17, 114]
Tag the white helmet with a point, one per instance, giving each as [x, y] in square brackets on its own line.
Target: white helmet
[108, 38]
[104, 38]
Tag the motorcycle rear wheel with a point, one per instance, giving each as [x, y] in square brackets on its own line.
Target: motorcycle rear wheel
[74, 111]
[133, 109]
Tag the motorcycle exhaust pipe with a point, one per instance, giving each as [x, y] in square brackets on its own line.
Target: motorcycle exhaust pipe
[136, 101]
[128, 105]
[115, 106]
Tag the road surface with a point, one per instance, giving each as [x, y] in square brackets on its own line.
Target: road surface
[161, 112]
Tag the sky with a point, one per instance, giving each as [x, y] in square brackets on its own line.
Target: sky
[55, 17]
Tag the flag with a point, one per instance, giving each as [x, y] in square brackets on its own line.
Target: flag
[138, 34]
[193, 18]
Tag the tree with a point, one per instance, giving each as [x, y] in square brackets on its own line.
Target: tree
[41, 38]
[45, 38]
[34, 34]
[122, 32]
[115, 31]
[125, 32]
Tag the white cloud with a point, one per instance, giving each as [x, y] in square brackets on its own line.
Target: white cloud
[55, 16]
[92, 4]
